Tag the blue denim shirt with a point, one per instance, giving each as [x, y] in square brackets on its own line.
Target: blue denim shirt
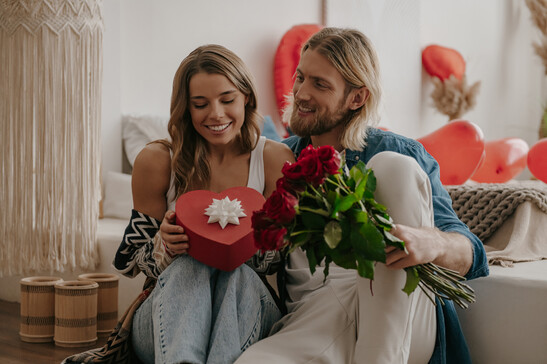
[450, 345]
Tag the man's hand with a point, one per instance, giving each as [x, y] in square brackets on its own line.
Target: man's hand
[424, 245]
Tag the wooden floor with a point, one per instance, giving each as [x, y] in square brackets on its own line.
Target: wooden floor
[13, 350]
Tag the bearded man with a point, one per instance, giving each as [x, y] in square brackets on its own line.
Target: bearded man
[336, 96]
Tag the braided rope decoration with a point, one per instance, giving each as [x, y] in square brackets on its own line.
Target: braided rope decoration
[485, 207]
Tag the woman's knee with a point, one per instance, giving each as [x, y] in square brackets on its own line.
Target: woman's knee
[185, 267]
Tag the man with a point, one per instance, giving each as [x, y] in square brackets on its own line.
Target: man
[336, 97]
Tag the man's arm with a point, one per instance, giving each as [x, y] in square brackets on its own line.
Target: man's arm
[451, 244]
[447, 249]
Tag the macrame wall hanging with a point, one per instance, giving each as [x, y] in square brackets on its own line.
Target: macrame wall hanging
[50, 115]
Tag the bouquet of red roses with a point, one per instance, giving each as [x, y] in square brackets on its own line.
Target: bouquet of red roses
[331, 213]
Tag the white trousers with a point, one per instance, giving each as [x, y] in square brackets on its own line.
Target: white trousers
[343, 322]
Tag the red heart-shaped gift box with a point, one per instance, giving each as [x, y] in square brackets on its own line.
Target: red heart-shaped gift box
[227, 248]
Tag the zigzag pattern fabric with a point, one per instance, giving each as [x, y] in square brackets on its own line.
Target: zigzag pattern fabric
[136, 251]
[265, 263]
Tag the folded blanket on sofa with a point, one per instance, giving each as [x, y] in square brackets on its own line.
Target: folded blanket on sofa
[510, 218]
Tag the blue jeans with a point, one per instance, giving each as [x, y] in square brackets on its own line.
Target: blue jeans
[199, 314]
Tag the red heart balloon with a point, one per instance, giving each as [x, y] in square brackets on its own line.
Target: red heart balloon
[505, 158]
[458, 147]
[227, 248]
[442, 62]
[537, 160]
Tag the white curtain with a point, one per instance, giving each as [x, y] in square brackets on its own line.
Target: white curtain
[50, 109]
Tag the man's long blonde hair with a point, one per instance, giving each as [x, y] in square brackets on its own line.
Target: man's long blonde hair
[354, 56]
[189, 162]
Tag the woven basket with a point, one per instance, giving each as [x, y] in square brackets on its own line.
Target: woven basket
[75, 313]
[107, 300]
[38, 308]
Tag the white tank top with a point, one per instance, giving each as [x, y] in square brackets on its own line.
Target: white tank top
[256, 174]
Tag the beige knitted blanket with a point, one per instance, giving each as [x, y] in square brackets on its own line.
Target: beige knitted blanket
[510, 218]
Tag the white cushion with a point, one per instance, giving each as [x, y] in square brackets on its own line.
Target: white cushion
[139, 130]
[118, 199]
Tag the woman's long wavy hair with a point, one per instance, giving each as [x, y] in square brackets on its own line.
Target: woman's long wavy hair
[189, 162]
[354, 56]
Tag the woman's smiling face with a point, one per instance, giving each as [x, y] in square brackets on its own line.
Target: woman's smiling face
[217, 107]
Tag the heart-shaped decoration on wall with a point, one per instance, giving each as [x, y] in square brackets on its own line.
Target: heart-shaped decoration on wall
[218, 233]
[458, 147]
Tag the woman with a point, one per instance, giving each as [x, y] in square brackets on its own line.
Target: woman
[198, 314]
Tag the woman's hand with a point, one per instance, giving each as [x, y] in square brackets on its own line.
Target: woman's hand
[173, 236]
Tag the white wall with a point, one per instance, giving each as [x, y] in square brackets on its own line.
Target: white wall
[111, 102]
[146, 40]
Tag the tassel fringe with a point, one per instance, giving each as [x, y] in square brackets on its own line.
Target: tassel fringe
[50, 105]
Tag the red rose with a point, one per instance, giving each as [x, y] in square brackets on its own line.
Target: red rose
[271, 238]
[290, 185]
[280, 206]
[308, 151]
[292, 171]
[312, 169]
[259, 220]
[329, 158]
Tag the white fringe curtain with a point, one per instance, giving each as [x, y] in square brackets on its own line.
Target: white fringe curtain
[50, 115]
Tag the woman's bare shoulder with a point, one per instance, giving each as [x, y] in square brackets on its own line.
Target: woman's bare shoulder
[153, 166]
[154, 156]
[276, 153]
[150, 180]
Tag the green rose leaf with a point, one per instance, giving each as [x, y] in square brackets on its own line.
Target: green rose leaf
[365, 267]
[369, 242]
[360, 166]
[395, 241]
[326, 269]
[356, 174]
[312, 221]
[383, 220]
[359, 216]
[345, 203]
[332, 234]
[361, 184]
[310, 254]
[344, 259]
[371, 181]
[412, 280]
[298, 239]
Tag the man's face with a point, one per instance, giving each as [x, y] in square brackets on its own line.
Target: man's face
[320, 98]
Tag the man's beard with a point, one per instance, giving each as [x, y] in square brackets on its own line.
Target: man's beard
[320, 123]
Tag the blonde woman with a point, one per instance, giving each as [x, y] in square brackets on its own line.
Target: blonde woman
[198, 314]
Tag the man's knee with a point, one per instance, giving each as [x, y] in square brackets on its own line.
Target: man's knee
[396, 168]
[404, 187]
